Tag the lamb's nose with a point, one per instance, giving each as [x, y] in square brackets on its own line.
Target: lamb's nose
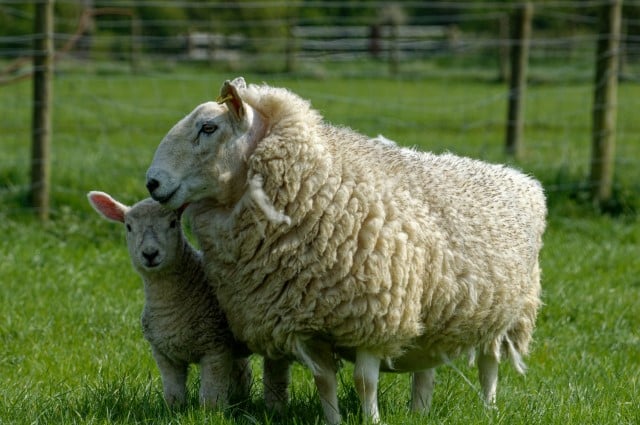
[152, 185]
[150, 256]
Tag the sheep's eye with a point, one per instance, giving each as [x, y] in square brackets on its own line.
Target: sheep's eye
[128, 227]
[208, 128]
[173, 224]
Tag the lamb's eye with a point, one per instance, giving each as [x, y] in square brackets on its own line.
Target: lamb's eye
[128, 227]
[208, 128]
[173, 224]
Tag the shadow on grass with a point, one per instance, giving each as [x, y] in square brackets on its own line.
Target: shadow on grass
[128, 400]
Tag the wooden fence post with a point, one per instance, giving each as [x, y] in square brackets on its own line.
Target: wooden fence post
[503, 48]
[520, 37]
[605, 103]
[394, 52]
[136, 32]
[42, 97]
[393, 16]
[290, 51]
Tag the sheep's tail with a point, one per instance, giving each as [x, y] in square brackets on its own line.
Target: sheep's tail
[513, 344]
[257, 194]
[514, 355]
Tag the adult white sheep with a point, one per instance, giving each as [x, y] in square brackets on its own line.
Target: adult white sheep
[181, 318]
[323, 241]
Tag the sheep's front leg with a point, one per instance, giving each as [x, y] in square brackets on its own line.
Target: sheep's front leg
[240, 381]
[174, 379]
[275, 378]
[318, 356]
[365, 376]
[488, 374]
[422, 384]
[215, 379]
[327, 384]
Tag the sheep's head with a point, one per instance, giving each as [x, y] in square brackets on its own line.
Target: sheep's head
[154, 235]
[205, 154]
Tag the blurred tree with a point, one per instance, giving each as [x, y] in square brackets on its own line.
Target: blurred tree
[267, 20]
[16, 18]
[265, 27]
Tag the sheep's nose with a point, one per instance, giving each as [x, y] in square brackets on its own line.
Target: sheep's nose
[152, 185]
[150, 256]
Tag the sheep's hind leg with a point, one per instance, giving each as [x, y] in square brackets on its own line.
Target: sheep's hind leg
[275, 378]
[488, 374]
[365, 376]
[318, 356]
[422, 384]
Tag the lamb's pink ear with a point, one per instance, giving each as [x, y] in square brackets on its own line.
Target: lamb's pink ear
[108, 207]
[229, 96]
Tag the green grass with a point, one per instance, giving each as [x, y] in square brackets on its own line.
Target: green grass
[71, 348]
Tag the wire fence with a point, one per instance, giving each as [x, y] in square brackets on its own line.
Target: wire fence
[114, 61]
[275, 35]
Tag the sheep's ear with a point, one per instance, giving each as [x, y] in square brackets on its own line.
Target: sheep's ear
[106, 206]
[229, 96]
[239, 83]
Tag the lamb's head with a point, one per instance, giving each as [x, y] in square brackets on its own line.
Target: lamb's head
[154, 234]
[205, 154]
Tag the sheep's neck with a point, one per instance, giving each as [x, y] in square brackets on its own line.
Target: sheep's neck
[256, 132]
[248, 143]
[173, 285]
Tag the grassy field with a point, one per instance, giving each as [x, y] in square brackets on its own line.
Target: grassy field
[71, 348]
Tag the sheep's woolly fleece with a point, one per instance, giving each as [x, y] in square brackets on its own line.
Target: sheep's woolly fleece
[368, 245]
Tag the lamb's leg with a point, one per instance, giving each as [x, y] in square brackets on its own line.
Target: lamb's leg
[488, 374]
[318, 357]
[215, 379]
[174, 379]
[422, 384]
[365, 376]
[275, 378]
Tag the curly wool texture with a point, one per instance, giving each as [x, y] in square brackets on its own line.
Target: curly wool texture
[388, 249]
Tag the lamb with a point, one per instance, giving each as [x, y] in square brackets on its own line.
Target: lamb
[181, 318]
[328, 242]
